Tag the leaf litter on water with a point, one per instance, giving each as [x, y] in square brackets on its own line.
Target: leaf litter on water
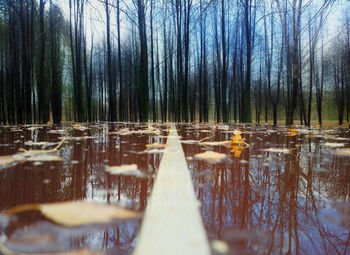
[345, 152]
[77, 213]
[211, 157]
[127, 170]
[31, 155]
[155, 146]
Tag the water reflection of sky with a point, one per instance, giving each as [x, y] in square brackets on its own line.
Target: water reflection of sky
[273, 203]
[80, 176]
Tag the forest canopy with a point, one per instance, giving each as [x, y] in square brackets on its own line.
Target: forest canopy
[174, 60]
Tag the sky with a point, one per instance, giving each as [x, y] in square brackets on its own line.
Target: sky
[95, 17]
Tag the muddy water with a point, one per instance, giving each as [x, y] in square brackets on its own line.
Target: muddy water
[80, 175]
[287, 193]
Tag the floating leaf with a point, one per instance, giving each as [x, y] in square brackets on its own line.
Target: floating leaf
[153, 151]
[334, 145]
[79, 213]
[220, 246]
[218, 143]
[223, 127]
[236, 132]
[31, 155]
[28, 153]
[195, 141]
[129, 170]
[237, 150]
[277, 150]
[342, 152]
[57, 131]
[190, 141]
[80, 127]
[44, 157]
[75, 138]
[7, 161]
[211, 156]
[292, 132]
[155, 146]
[44, 144]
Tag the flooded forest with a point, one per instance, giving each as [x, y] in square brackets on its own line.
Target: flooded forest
[174, 127]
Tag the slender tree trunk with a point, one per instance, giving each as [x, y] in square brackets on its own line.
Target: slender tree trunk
[246, 105]
[42, 84]
[154, 114]
[111, 87]
[121, 88]
[143, 84]
[224, 68]
[56, 90]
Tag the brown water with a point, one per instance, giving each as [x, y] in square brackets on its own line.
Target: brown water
[80, 175]
[282, 192]
[289, 201]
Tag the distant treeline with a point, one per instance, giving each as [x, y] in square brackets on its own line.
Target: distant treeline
[177, 60]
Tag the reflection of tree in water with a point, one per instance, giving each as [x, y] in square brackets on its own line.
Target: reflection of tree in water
[272, 204]
[82, 176]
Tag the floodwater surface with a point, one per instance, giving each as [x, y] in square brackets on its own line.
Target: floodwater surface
[271, 190]
[78, 171]
[82, 189]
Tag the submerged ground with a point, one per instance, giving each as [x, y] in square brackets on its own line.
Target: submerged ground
[262, 190]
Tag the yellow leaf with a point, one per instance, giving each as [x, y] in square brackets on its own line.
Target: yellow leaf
[77, 213]
[237, 138]
[237, 150]
[292, 130]
[211, 156]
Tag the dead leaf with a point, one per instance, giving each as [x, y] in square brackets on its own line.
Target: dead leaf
[292, 132]
[236, 132]
[190, 141]
[75, 138]
[79, 213]
[342, 152]
[218, 143]
[78, 252]
[29, 153]
[153, 151]
[334, 145]
[44, 157]
[7, 161]
[211, 156]
[80, 127]
[129, 170]
[277, 150]
[155, 146]
[223, 127]
[219, 246]
[44, 144]
[57, 131]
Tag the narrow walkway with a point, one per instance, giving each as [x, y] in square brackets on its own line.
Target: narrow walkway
[172, 222]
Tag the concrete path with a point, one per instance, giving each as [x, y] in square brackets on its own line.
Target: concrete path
[172, 222]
